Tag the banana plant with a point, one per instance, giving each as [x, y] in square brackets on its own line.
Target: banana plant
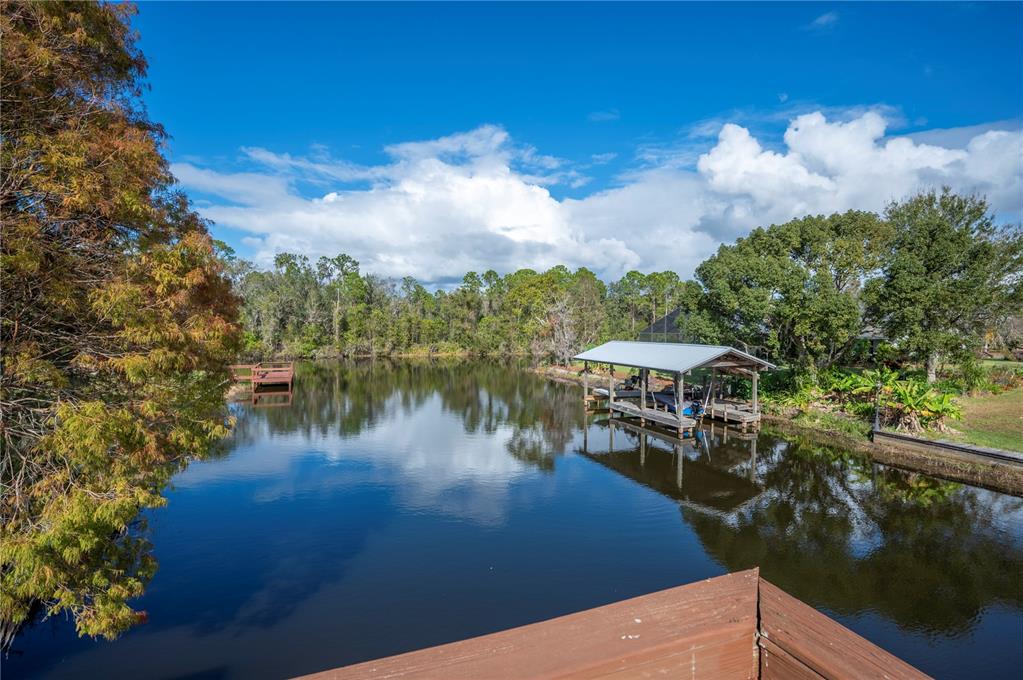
[916, 405]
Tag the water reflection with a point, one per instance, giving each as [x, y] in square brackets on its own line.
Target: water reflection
[833, 529]
[700, 472]
[392, 506]
[456, 437]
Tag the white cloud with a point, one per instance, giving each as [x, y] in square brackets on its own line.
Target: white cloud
[603, 158]
[824, 21]
[604, 116]
[242, 187]
[477, 200]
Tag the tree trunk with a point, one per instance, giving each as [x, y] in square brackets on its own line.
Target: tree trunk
[932, 367]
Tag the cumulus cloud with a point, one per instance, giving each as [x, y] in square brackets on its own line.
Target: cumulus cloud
[477, 200]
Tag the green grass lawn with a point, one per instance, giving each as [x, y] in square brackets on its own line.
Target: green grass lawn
[998, 363]
[994, 420]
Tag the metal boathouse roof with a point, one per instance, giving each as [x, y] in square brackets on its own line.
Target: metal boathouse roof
[672, 357]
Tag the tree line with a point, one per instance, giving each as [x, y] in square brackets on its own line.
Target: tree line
[302, 308]
[934, 276]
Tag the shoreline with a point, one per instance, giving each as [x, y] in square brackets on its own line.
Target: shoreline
[964, 468]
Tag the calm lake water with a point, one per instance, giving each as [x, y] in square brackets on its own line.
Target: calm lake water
[394, 506]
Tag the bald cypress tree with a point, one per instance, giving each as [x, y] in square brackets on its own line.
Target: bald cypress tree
[117, 320]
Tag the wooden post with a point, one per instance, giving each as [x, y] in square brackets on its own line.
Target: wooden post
[678, 401]
[642, 395]
[681, 394]
[611, 391]
[756, 400]
[753, 461]
[642, 449]
[710, 400]
[678, 462]
[586, 380]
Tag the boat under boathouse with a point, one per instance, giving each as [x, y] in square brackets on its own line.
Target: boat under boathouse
[678, 405]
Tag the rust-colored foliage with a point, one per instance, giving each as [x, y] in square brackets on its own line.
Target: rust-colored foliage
[117, 320]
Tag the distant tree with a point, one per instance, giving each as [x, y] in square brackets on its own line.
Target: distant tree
[337, 274]
[950, 274]
[586, 297]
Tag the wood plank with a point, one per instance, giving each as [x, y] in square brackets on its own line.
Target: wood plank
[777, 664]
[705, 629]
[640, 429]
[731, 414]
[823, 645]
[665, 417]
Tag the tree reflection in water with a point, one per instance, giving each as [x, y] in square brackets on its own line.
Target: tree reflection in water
[355, 396]
[832, 528]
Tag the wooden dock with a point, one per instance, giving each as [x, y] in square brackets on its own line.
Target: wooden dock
[678, 361]
[264, 373]
[732, 626]
[730, 412]
[272, 382]
[663, 417]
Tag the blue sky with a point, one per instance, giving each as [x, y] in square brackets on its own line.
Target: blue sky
[430, 139]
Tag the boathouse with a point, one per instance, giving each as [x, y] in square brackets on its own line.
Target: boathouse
[678, 406]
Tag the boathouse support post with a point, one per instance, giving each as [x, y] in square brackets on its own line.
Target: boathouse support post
[642, 395]
[756, 400]
[586, 380]
[681, 399]
[678, 401]
[611, 391]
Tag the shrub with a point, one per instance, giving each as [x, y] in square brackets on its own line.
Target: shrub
[913, 406]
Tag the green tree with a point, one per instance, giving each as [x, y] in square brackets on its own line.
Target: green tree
[950, 274]
[118, 319]
[793, 290]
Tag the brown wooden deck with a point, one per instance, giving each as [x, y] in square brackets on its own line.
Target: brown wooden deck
[664, 417]
[730, 412]
[732, 626]
[264, 373]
